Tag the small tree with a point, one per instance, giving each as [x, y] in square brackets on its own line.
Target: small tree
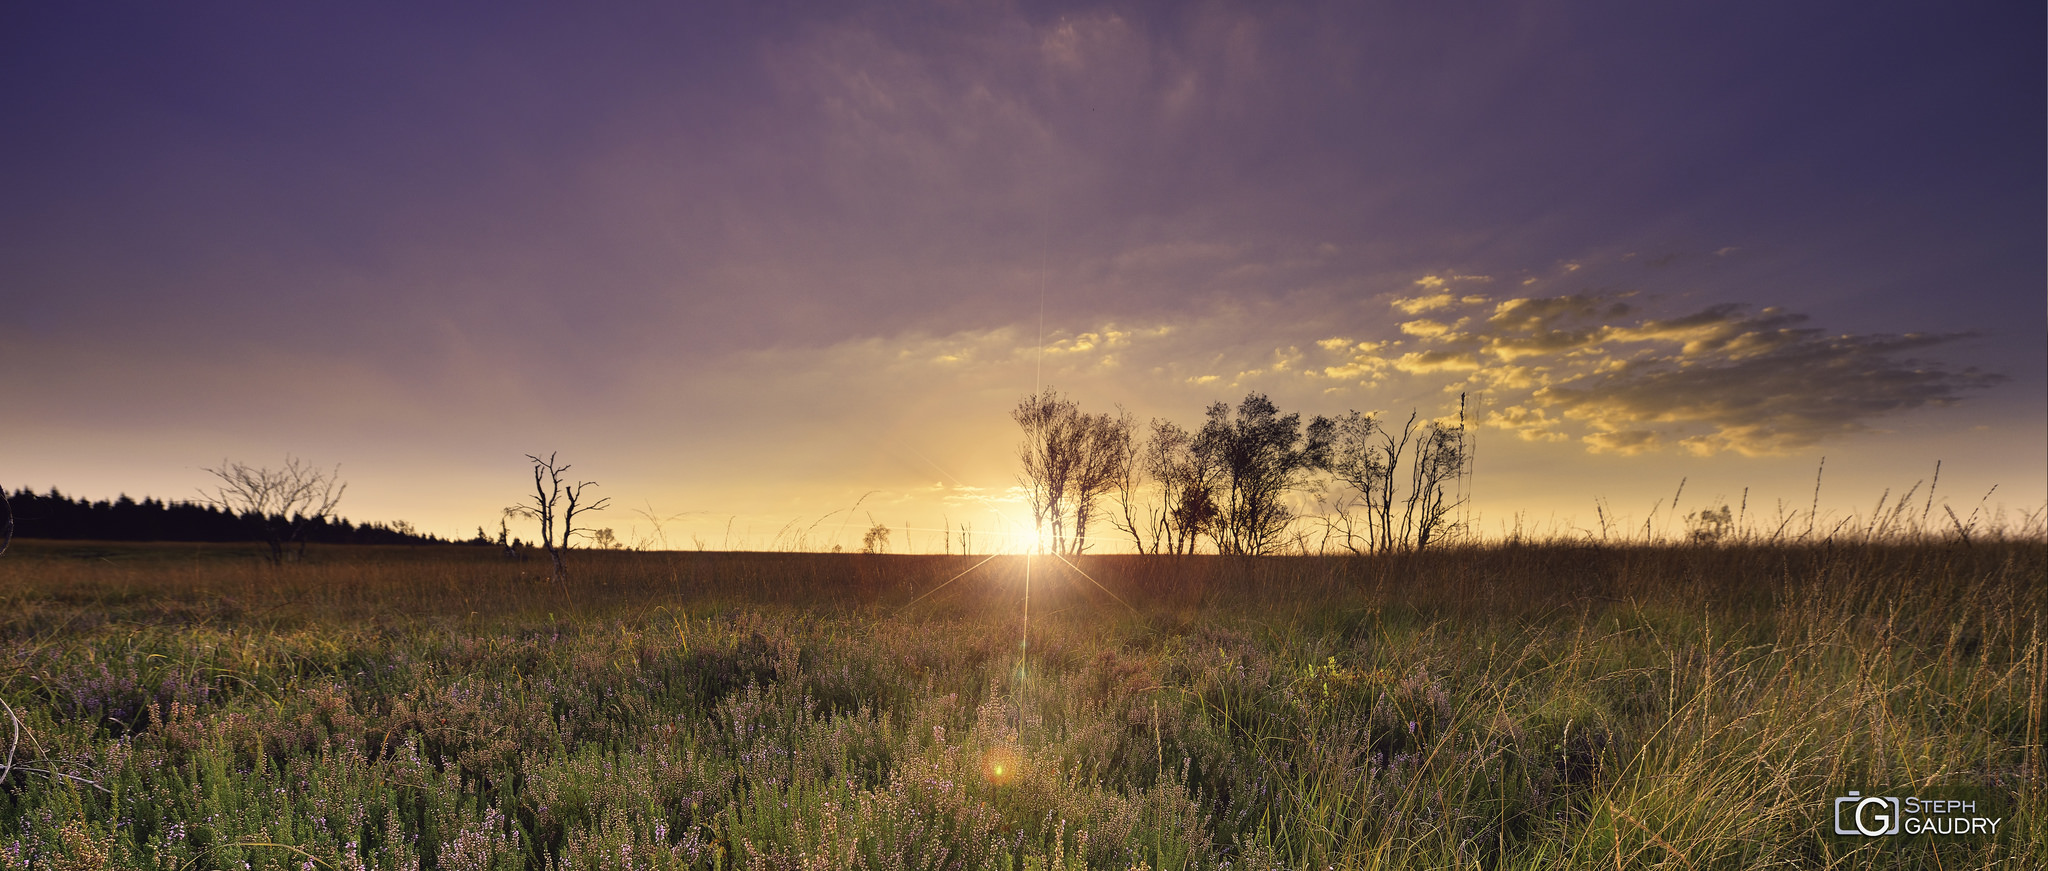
[1262, 456]
[1367, 455]
[554, 498]
[1185, 481]
[1107, 461]
[1710, 526]
[281, 502]
[1440, 458]
[1071, 460]
[1049, 421]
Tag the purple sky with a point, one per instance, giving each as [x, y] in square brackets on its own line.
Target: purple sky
[745, 266]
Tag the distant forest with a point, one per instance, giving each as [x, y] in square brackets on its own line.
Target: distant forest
[55, 515]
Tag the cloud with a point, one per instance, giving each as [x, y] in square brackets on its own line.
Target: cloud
[1437, 361]
[1768, 402]
[1439, 295]
[1612, 371]
[1722, 378]
[1607, 370]
[1419, 304]
[1426, 328]
[1528, 424]
[1626, 442]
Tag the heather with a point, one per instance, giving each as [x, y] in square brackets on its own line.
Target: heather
[1509, 706]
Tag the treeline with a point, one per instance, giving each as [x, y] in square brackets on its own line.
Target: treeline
[57, 516]
[1250, 480]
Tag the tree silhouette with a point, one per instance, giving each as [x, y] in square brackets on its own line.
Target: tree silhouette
[1070, 461]
[876, 540]
[1262, 456]
[554, 498]
[283, 501]
[1185, 481]
[1367, 455]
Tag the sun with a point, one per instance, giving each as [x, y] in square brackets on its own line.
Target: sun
[1026, 537]
[1034, 541]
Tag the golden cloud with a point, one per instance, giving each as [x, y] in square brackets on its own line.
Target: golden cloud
[1528, 424]
[1426, 328]
[1626, 442]
[1724, 378]
[1419, 304]
[1415, 362]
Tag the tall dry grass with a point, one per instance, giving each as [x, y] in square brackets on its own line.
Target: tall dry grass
[1512, 706]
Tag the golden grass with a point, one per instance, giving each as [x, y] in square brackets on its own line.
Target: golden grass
[1529, 706]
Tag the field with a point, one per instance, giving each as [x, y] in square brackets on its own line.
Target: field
[1535, 706]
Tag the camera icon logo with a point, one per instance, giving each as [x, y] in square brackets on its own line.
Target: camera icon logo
[1870, 816]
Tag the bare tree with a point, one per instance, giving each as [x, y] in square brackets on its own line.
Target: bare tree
[282, 502]
[554, 498]
[1148, 535]
[6, 529]
[1367, 455]
[1440, 459]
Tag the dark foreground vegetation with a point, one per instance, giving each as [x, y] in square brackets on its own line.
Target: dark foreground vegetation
[191, 706]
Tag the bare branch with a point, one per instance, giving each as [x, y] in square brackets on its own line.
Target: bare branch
[552, 499]
[283, 501]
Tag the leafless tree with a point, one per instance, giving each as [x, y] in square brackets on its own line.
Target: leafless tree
[1145, 523]
[553, 497]
[1367, 455]
[1440, 460]
[1049, 421]
[7, 528]
[283, 501]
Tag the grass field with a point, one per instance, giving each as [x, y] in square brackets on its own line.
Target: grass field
[185, 706]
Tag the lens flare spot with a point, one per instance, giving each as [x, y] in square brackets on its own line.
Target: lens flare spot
[1000, 766]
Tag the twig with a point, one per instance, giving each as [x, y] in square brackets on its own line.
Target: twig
[48, 773]
[203, 853]
[1651, 832]
[8, 767]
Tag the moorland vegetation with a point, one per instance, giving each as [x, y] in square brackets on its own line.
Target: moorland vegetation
[1518, 705]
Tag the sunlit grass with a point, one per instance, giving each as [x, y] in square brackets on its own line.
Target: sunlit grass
[1507, 707]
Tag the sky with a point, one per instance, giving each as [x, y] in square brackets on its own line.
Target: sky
[773, 272]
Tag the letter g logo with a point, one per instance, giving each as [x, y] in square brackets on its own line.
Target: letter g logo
[1869, 816]
[1885, 823]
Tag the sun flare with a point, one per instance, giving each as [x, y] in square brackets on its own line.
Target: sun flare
[1000, 765]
